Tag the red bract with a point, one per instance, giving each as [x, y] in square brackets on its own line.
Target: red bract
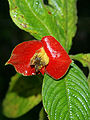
[45, 56]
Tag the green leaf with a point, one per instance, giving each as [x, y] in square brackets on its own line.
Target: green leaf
[33, 17]
[89, 79]
[58, 18]
[83, 58]
[43, 115]
[65, 13]
[67, 98]
[24, 93]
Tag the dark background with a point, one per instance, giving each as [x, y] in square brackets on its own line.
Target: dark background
[11, 35]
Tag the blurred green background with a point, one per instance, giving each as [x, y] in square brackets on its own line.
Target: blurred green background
[11, 35]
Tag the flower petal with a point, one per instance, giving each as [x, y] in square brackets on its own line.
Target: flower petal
[21, 55]
[59, 61]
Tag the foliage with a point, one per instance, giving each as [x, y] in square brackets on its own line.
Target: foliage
[67, 98]
[24, 92]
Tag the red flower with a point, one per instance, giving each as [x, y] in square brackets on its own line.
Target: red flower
[45, 56]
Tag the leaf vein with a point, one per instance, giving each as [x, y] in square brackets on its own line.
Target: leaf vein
[79, 86]
[37, 17]
[79, 100]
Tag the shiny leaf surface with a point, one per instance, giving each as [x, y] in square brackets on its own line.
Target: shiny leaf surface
[67, 98]
[57, 18]
[33, 17]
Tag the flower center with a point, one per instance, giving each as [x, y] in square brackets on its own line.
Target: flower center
[39, 59]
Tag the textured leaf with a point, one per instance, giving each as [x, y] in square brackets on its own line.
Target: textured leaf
[83, 58]
[68, 98]
[57, 19]
[24, 93]
[89, 79]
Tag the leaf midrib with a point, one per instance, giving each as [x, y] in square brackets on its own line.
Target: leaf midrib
[38, 17]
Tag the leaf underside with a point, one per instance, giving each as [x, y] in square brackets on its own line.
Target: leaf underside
[67, 98]
[83, 58]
